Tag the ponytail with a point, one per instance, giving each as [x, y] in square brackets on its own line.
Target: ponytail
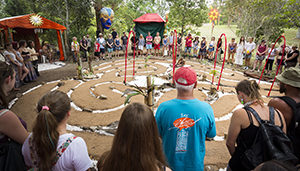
[251, 89]
[45, 138]
[52, 109]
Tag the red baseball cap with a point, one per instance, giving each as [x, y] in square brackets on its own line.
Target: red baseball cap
[185, 76]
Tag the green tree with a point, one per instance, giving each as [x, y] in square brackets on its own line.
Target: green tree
[186, 12]
[16, 7]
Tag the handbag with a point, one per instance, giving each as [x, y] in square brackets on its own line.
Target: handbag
[11, 158]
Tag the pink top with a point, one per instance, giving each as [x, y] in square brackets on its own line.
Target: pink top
[261, 49]
[149, 39]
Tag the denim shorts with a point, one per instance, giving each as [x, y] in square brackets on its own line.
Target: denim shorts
[148, 46]
[248, 56]
[109, 50]
[188, 49]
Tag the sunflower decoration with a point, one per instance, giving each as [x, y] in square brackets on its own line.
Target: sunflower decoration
[36, 20]
[213, 14]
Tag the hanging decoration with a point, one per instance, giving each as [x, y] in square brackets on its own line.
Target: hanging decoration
[36, 20]
[213, 15]
[106, 18]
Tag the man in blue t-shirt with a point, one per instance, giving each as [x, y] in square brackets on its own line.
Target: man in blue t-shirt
[184, 123]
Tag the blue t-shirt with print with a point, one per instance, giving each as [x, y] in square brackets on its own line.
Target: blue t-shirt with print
[183, 126]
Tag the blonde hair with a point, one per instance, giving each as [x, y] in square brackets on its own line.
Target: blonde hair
[251, 89]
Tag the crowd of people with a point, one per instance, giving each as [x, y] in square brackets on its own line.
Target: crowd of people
[239, 53]
[173, 139]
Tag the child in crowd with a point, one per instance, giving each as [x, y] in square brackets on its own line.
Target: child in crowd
[195, 46]
[271, 59]
[110, 45]
[49, 146]
[117, 44]
[240, 52]
[149, 40]
[136, 145]
[141, 45]
[211, 48]
[157, 40]
[231, 51]
[97, 50]
[262, 49]
[202, 51]
[165, 45]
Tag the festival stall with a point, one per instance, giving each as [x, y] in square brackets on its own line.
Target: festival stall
[150, 22]
[27, 27]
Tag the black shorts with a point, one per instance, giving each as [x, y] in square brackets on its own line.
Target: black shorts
[102, 51]
[97, 53]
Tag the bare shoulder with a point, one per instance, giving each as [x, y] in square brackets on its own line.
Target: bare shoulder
[239, 114]
[277, 103]
[8, 115]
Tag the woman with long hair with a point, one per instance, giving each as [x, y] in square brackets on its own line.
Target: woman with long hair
[12, 128]
[31, 76]
[240, 52]
[243, 125]
[49, 146]
[136, 145]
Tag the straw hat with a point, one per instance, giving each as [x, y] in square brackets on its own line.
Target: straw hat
[290, 77]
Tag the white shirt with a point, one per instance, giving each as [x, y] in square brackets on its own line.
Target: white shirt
[273, 54]
[250, 46]
[101, 41]
[75, 157]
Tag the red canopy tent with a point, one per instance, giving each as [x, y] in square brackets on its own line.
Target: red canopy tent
[25, 27]
[149, 17]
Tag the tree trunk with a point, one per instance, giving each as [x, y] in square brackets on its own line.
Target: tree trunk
[298, 34]
[98, 7]
[67, 47]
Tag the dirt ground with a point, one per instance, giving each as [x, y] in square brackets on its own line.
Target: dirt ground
[90, 112]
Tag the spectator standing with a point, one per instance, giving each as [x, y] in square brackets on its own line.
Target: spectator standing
[184, 123]
[33, 56]
[240, 52]
[281, 55]
[12, 128]
[136, 145]
[211, 49]
[179, 44]
[114, 33]
[97, 49]
[75, 49]
[171, 43]
[124, 39]
[287, 104]
[249, 48]
[195, 46]
[292, 57]
[149, 40]
[165, 45]
[270, 62]
[49, 146]
[46, 52]
[243, 125]
[202, 51]
[262, 49]
[89, 42]
[141, 44]
[188, 45]
[134, 43]
[110, 45]
[117, 44]
[84, 47]
[157, 40]
[231, 51]
[102, 43]
[220, 50]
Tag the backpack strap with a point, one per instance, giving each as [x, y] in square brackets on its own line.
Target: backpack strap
[280, 118]
[254, 113]
[271, 111]
[289, 101]
[249, 116]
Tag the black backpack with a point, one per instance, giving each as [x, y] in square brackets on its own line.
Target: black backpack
[293, 130]
[270, 143]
